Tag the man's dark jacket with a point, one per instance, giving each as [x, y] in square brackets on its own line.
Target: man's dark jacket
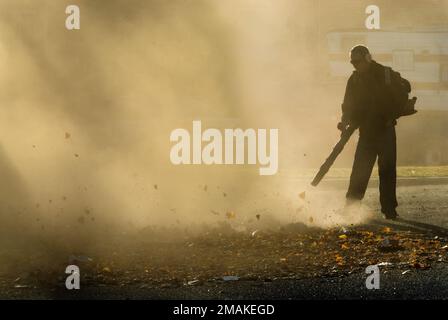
[371, 100]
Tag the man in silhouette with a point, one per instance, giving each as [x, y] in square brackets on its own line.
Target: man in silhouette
[371, 103]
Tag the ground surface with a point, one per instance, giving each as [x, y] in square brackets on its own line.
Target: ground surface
[292, 262]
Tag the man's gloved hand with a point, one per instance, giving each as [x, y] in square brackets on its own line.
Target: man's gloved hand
[342, 126]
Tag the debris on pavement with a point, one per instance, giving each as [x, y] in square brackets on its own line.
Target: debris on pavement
[230, 278]
[298, 251]
[406, 271]
[193, 282]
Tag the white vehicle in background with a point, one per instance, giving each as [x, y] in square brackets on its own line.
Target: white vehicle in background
[421, 56]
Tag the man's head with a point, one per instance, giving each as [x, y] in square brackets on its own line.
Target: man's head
[360, 58]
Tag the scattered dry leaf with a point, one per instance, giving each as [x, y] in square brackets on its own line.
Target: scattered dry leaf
[387, 230]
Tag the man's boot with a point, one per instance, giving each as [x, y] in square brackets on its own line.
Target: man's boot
[390, 214]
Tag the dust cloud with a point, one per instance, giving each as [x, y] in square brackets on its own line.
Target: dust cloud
[86, 115]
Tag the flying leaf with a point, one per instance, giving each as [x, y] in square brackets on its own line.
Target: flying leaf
[230, 215]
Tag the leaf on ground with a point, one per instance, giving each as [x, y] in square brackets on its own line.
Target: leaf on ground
[387, 230]
[339, 259]
[106, 270]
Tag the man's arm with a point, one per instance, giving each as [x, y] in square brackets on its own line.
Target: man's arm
[348, 106]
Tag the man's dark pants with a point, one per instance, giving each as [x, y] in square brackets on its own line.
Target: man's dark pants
[373, 144]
